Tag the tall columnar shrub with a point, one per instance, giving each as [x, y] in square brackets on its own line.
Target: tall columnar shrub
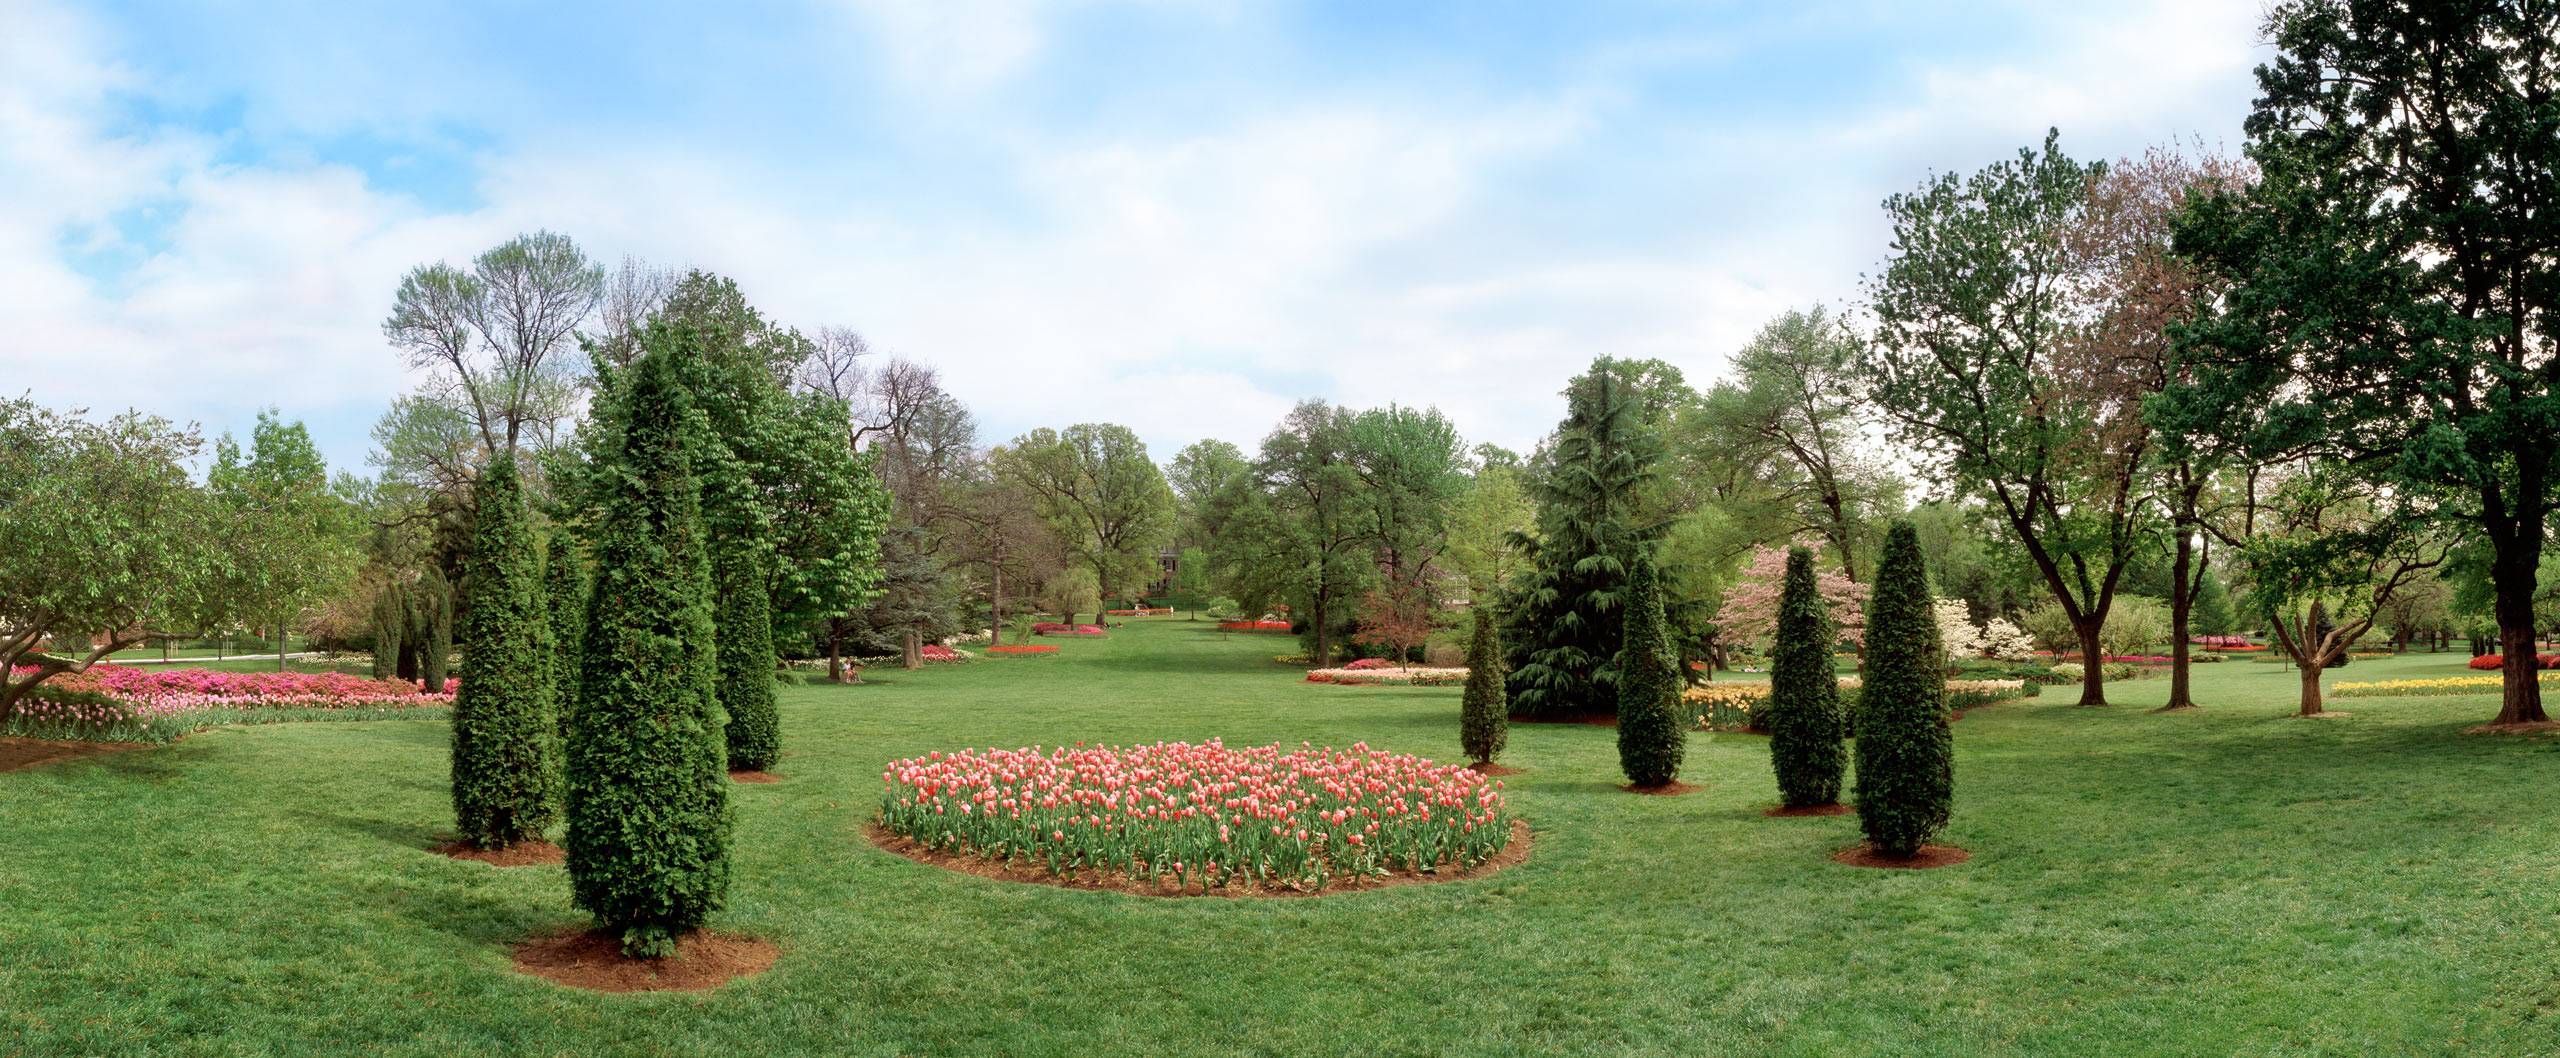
[1484, 722]
[1803, 715]
[390, 629]
[431, 628]
[564, 590]
[506, 758]
[1652, 738]
[649, 818]
[1905, 753]
[745, 620]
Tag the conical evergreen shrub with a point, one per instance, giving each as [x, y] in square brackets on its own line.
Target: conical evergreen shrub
[743, 615]
[1905, 752]
[564, 590]
[431, 628]
[506, 759]
[1803, 718]
[649, 817]
[390, 629]
[1484, 721]
[1652, 738]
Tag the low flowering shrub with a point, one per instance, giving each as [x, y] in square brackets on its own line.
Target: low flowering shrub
[1418, 676]
[1201, 816]
[1253, 626]
[130, 704]
[1053, 628]
[2494, 662]
[1371, 663]
[2237, 648]
[1023, 648]
[1143, 611]
[2224, 642]
[938, 652]
[2424, 687]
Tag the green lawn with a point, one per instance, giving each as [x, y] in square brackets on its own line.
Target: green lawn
[2232, 882]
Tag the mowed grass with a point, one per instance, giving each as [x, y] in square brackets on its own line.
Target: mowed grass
[2232, 882]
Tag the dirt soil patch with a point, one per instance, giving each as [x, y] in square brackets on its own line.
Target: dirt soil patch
[1492, 769]
[2529, 727]
[754, 778]
[1865, 855]
[1513, 854]
[594, 961]
[1674, 788]
[520, 854]
[1812, 810]
[16, 753]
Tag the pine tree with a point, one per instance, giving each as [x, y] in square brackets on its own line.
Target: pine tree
[1484, 723]
[1651, 737]
[506, 761]
[649, 817]
[1803, 718]
[1905, 752]
[1564, 624]
[564, 589]
[431, 628]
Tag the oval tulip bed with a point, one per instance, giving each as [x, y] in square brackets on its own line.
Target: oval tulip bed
[1023, 648]
[1178, 818]
[1253, 626]
[1358, 675]
[1053, 628]
[121, 703]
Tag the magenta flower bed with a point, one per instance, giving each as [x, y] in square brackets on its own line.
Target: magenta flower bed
[159, 704]
[1053, 628]
[1200, 815]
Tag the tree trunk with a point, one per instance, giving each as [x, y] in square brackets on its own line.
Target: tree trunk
[2311, 672]
[282, 636]
[835, 654]
[911, 650]
[2182, 604]
[995, 605]
[2093, 661]
[2514, 580]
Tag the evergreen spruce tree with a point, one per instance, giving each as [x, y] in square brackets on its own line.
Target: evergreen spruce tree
[564, 591]
[1803, 719]
[506, 762]
[1905, 752]
[1484, 723]
[1564, 621]
[1652, 738]
[649, 817]
[431, 628]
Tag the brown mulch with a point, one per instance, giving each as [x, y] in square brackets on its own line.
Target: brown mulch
[754, 777]
[1493, 769]
[520, 854]
[1513, 854]
[594, 961]
[1674, 788]
[1584, 720]
[1812, 810]
[2528, 727]
[1865, 855]
[16, 753]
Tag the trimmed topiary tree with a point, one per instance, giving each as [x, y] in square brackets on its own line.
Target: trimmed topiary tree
[742, 611]
[431, 628]
[564, 591]
[506, 758]
[1905, 753]
[1651, 737]
[649, 817]
[1803, 717]
[390, 628]
[1484, 720]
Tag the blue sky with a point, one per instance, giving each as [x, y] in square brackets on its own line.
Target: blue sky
[1178, 215]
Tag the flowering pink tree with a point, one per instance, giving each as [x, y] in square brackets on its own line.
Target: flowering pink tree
[1750, 613]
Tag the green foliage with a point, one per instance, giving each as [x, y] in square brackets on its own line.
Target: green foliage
[431, 627]
[1484, 719]
[2135, 625]
[1652, 728]
[1563, 622]
[1905, 751]
[649, 816]
[390, 628]
[506, 758]
[1097, 490]
[564, 590]
[1803, 717]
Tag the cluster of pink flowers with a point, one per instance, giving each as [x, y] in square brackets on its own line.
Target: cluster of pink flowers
[1372, 663]
[160, 703]
[1053, 628]
[1202, 815]
[938, 652]
[1253, 626]
[2220, 641]
[2493, 662]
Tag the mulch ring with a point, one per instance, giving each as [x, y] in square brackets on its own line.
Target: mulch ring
[1812, 810]
[1513, 854]
[16, 753]
[2528, 727]
[1865, 855]
[1492, 769]
[1674, 788]
[584, 958]
[520, 854]
[754, 777]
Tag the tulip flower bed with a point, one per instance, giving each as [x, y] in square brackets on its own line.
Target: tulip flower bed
[1053, 628]
[1201, 817]
[125, 704]
[938, 652]
[2494, 662]
[1023, 648]
[1728, 706]
[2440, 685]
[1253, 626]
[1417, 676]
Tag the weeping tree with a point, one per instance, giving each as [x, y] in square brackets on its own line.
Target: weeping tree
[1804, 721]
[1905, 753]
[649, 817]
[1652, 737]
[506, 761]
[1484, 724]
